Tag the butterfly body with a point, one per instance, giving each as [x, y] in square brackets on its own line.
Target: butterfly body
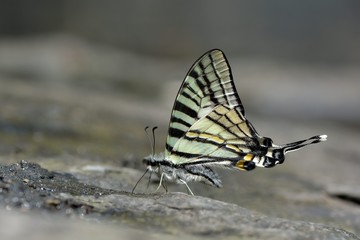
[208, 129]
[181, 173]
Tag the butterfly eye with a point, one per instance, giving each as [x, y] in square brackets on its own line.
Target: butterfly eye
[145, 161]
[267, 142]
[148, 161]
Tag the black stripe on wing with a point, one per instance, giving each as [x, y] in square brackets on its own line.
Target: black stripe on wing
[208, 83]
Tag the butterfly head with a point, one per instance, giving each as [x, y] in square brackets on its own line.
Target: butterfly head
[153, 162]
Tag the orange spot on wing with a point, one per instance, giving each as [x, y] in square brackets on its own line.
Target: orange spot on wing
[240, 165]
[249, 157]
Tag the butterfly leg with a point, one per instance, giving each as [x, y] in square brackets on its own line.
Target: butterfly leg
[161, 182]
[148, 184]
[164, 186]
[187, 186]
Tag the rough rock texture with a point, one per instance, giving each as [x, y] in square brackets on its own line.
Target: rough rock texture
[28, 186]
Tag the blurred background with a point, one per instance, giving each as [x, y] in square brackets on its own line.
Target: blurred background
[79, 81]
[295, 60]
[124, 46]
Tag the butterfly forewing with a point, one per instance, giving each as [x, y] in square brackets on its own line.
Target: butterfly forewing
[208, 84]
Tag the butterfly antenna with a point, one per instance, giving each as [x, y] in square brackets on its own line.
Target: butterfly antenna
[139, 181]
[152, 145]
[153, 135]
[151, 142]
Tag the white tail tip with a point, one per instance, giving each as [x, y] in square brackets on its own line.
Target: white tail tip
[323, 138]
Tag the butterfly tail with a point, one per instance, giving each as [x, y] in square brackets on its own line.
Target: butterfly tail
[276, 154]
[300, 144]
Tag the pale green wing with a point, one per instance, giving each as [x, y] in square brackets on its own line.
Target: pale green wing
[221, 136]
[208, 84]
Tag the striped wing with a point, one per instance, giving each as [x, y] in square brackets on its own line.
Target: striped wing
[222, 137]
[207, 104]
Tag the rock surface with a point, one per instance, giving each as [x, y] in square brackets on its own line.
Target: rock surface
[27, 186]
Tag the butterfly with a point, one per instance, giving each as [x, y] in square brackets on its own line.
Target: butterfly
[208, 128]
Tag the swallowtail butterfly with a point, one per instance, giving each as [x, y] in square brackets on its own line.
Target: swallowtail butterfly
[208, 128]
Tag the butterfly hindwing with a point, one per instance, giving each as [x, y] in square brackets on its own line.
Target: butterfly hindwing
[221, 137]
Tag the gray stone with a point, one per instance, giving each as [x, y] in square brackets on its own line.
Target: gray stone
[27, 186]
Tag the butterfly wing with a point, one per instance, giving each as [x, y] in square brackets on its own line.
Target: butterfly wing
[208, 115]
[207, 84]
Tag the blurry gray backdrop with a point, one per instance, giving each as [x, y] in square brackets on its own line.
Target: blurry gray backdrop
[322, 31]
